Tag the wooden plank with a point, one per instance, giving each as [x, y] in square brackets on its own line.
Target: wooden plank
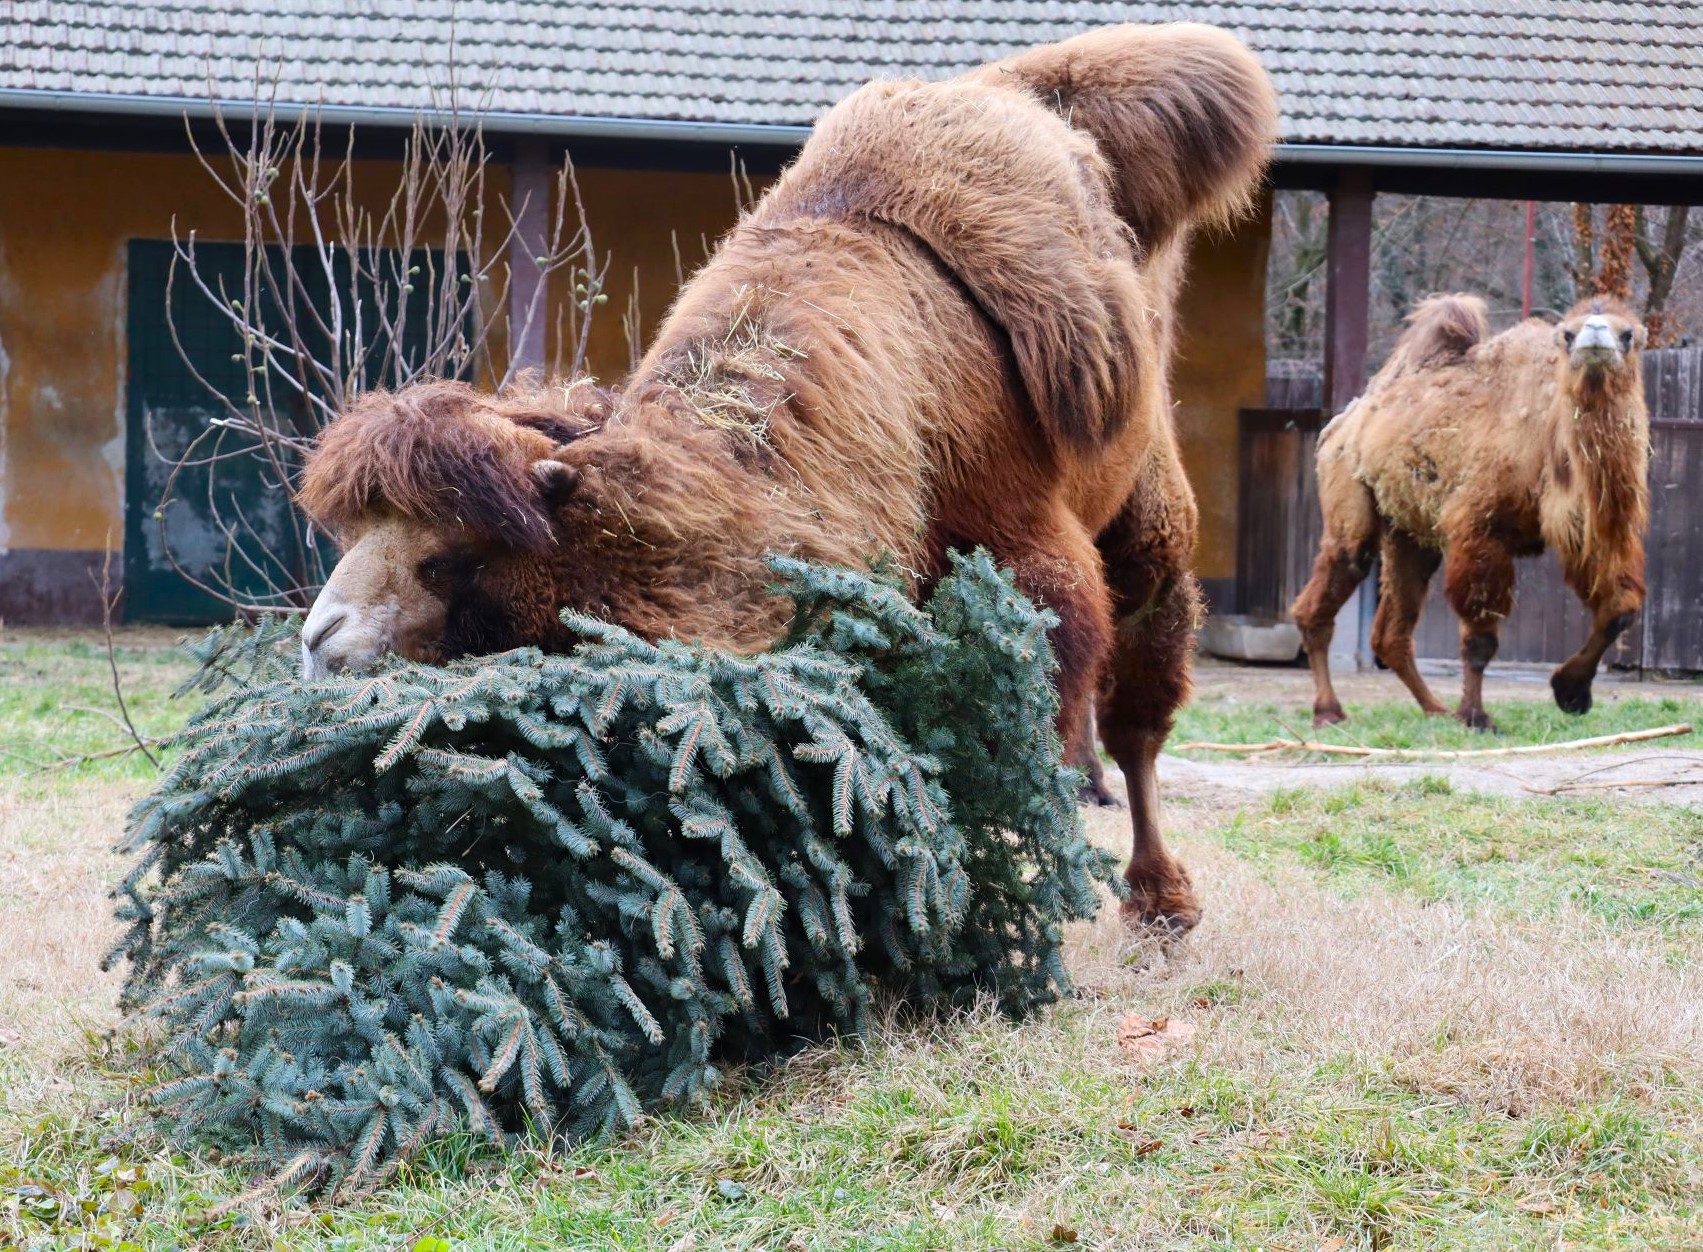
[1673, 384]
[1673, 615]
[1278, 522]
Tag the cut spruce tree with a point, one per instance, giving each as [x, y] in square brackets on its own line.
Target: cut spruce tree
[534, 894]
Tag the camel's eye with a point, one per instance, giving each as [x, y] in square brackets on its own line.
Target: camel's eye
[1568, 336]
[1626, 340]
[448, 570]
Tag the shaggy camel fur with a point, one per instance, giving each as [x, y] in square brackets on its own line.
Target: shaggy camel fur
[946, 326]
[1481, 450]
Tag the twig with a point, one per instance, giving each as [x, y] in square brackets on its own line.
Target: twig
[1612, 783]
[1684, 880]
[1433, 754]
[108, 600]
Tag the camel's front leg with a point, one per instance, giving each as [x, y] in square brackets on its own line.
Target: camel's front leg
[1614, 592]
[1156, 603]
[1056, 565]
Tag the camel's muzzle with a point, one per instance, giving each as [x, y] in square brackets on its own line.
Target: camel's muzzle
[1596, 338]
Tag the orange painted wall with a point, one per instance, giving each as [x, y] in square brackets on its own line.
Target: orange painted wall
[65, 218]
[1220, 368]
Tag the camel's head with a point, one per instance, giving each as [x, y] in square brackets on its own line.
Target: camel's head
[1600, 337]
[444, 502]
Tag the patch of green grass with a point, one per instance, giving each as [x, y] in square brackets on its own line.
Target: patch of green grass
[1628, 864]
[981, 1134]
[57, 704]
[1218, 717]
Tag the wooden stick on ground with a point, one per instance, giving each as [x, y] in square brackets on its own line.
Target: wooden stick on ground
[1434, 754]
[1611, 784]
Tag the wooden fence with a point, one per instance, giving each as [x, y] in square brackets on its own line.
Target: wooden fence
[1279, 526]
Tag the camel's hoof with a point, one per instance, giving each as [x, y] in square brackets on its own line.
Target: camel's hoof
[1475, 719]
[1162, 900]
[1570, 696]
[1330, 715]
[1097, 797]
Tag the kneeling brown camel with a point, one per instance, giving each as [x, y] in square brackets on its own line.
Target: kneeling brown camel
[1478, 451]
[946, 326]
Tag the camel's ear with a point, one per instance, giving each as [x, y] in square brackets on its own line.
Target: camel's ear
[556, 481]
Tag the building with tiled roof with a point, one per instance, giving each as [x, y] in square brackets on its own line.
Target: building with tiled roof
[1515, 98]
[1589, 75]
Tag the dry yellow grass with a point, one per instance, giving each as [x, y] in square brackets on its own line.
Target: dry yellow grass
[56, 868]
[1510, 1016]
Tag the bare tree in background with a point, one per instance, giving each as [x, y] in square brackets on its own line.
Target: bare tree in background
[337, 297]
[1427, 244]
[1295, 275]
[1660, 259]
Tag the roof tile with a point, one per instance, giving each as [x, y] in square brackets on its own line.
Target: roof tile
[1592, 74]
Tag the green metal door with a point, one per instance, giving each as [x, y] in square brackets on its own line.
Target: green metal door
[224, 523]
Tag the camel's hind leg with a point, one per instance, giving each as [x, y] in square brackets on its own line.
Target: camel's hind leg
[1344, 560]
[1408, 567]
[1156, 606]
[1479, 584]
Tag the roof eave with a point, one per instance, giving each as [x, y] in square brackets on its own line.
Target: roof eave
[548, 125]
[576, 126]
[1512, 159]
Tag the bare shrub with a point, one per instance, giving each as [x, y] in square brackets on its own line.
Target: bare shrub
[345, 288]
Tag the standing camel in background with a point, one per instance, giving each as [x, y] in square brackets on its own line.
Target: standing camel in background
[1481, 451]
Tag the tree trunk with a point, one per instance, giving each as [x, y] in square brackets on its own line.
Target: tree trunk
[1661, 263]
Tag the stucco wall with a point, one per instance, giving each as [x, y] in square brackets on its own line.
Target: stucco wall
[1220, 368]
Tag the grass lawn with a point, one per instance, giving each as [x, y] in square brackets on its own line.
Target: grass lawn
[1422, 1018]
[1223, 714]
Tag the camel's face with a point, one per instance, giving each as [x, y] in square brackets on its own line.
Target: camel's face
[426, 593]
[391, 592]
[1600, 337]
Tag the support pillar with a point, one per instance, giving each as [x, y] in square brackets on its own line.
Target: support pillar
[528, 302]
[1348, 292]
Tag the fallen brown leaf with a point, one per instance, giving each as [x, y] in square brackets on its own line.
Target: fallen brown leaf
[1143, 1146]
[1063, 1233]
[1148, 1039]
[1334, 1244]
